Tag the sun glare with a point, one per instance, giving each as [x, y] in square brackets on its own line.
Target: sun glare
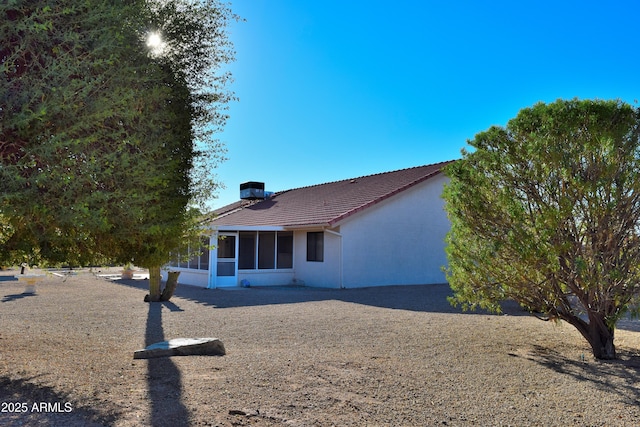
[155, 43]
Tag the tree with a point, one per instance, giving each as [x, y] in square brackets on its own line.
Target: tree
[191, 45]
[100, 134]
[58, 116]
[546, 211]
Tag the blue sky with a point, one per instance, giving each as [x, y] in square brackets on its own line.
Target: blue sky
[336, 89]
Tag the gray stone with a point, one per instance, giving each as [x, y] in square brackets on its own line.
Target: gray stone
[182, 347]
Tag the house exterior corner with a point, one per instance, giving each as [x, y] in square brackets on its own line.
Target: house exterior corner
[401, 241]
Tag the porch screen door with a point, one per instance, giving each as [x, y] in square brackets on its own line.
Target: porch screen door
[227, 271]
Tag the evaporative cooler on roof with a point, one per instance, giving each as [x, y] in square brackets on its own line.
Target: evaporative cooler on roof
[252, 190]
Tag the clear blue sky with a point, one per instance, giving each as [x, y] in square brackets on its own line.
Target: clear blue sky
[335, 89]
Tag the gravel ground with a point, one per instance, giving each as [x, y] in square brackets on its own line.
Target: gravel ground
[395, 356]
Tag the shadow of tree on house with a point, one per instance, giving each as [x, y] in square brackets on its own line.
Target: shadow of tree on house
[164, 380]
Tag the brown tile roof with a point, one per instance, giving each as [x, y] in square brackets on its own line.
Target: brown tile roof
[323, 204]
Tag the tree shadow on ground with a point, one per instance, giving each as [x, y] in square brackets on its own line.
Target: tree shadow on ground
[164, 380]
[620, 376]
[14, 297]
[52, 408]
[422, 298]
[425, 298]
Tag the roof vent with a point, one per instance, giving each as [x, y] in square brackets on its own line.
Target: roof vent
[252, 190]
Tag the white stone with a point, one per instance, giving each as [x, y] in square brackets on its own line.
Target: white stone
[182, 347]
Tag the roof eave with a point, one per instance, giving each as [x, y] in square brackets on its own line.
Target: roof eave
[307, 226]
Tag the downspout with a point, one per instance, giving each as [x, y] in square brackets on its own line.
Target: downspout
[335, 233]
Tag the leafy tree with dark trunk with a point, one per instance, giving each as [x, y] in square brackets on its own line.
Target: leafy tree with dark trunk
[107, 139]
[546, 211]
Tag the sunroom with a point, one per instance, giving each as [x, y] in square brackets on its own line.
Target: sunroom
[263, 256]
[252, 257]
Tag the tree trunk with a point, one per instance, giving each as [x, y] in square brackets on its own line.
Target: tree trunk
[601, 338]
[597, 333]
[154, 284]
[170, 287]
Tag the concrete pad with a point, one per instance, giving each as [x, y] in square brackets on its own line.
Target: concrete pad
[182, 347]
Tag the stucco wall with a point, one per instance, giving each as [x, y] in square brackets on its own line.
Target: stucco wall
[400, 241]
[319, 274]
[189, 277]
[266, 277]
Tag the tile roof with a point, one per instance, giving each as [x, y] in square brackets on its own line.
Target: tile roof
[323, 204]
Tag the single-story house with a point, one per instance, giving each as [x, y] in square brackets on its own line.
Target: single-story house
[376, 230]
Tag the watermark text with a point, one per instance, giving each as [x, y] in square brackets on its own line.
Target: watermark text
[31, 407]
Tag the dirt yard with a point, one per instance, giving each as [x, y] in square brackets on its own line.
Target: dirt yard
[397, 356]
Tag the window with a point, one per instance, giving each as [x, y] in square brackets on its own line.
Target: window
[285, 250]
[204, 255]
[227, 247]
[193, 259]
[265, 250]
[247, 250]
[183, 263]
[315, 246]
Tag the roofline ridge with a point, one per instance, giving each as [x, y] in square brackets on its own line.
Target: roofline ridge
[364, 176]
[242, 206]
[404, 169]
[390, 193]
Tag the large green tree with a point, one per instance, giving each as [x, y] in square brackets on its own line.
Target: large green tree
[102, 132]
[546, 211]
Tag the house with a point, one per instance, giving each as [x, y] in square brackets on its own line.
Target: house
[376, 230]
